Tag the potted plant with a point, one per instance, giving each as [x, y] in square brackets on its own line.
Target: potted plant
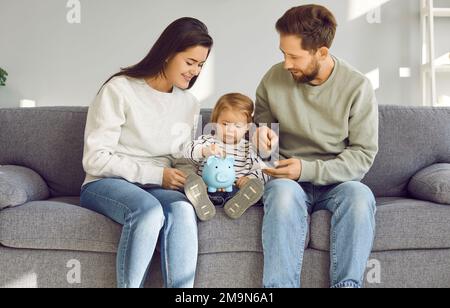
[3, 75]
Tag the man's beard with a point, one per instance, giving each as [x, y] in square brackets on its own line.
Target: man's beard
[314, 69]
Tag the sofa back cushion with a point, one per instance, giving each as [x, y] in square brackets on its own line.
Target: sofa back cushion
[50, 141]
[411, 139]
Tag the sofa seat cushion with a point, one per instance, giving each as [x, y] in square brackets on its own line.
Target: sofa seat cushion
[400, 223]
[69, 200]
[57, 225]
[60, 224]
[222, 234]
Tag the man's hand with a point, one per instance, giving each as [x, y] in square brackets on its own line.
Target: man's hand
[242, 181]
[173, 179]
[286, 169]
[213, 150]
[265, 140]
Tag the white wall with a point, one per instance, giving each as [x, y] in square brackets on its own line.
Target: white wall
[57, 63]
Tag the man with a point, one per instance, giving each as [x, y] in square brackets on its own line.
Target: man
[328, 120]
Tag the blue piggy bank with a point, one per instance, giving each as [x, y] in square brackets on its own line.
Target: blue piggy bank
[219, 173]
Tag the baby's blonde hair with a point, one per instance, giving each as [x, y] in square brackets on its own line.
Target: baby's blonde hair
[236, 102]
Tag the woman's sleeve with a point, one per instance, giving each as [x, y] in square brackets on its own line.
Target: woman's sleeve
[193, 151]
[104, 122]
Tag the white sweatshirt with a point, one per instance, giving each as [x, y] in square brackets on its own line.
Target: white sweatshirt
[134, 132]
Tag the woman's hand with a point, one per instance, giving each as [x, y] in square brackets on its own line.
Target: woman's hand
[242, 181]
[173, 179]
[213, 150]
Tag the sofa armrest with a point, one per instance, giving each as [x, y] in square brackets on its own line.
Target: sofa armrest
[19, 185]
[432, 184]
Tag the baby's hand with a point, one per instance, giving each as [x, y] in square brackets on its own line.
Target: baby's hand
[213, 150]
[242, 181]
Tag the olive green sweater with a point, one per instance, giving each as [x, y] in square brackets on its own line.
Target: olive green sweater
[332, 128]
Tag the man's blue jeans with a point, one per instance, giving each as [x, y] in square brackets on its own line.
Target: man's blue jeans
[146, 215]
[287, 205]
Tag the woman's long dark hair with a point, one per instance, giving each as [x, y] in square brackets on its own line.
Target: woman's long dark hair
[179, 36]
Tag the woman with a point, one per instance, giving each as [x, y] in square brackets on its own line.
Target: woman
[130, 150]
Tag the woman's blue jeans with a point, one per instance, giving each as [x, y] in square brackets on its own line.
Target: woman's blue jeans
[146, 215]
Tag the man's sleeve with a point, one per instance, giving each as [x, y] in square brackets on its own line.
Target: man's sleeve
[263, 114]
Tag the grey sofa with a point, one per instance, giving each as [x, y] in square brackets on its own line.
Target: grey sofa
[43, 242]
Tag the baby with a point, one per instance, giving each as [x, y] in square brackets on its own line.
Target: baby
[232, 117]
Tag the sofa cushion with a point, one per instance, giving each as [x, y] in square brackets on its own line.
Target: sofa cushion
[223, 234]
[411, 138]
[400, 224]
[54, 137]
[58, 226]
[432, 184]
[48, 140]
[19, 185]
[69, 200]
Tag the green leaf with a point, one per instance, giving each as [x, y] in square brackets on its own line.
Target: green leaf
[3, 75]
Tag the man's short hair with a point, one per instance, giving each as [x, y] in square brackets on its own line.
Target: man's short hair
[314, 24]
